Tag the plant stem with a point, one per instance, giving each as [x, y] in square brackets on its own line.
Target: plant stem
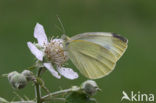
[23, 102]
[38, 93]
[51, 95]
[37, 88]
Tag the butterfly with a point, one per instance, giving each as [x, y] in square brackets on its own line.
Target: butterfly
[95, 54]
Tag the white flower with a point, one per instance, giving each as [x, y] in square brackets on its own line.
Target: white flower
[53, 52]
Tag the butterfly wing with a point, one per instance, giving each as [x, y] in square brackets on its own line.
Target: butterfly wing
[92, 53]
[111, 41]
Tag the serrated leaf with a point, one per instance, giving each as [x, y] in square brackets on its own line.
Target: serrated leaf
[78, 97]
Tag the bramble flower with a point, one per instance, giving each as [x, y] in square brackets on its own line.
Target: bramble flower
[51, 53]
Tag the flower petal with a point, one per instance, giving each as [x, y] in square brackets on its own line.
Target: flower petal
[40, 35]
[52, 70]
[68, 73]
[35, 51]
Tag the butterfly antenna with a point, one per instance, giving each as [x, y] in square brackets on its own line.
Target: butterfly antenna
[60, 30]
[62, 26]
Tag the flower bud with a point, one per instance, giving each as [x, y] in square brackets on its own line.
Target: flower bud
[12, 74]
[28, 74]
[17, 80]
[89, 87]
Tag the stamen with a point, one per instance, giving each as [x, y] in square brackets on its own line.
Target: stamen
[55, 53]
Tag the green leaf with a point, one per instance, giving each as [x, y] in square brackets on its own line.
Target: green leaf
[79, 97]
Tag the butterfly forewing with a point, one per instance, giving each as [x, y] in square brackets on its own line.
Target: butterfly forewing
[113, 42]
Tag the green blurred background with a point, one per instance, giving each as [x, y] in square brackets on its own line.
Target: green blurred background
[134, 19]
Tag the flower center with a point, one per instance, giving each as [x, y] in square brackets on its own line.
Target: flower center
[55, 53]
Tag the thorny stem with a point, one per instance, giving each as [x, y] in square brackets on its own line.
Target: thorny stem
[37, 88]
